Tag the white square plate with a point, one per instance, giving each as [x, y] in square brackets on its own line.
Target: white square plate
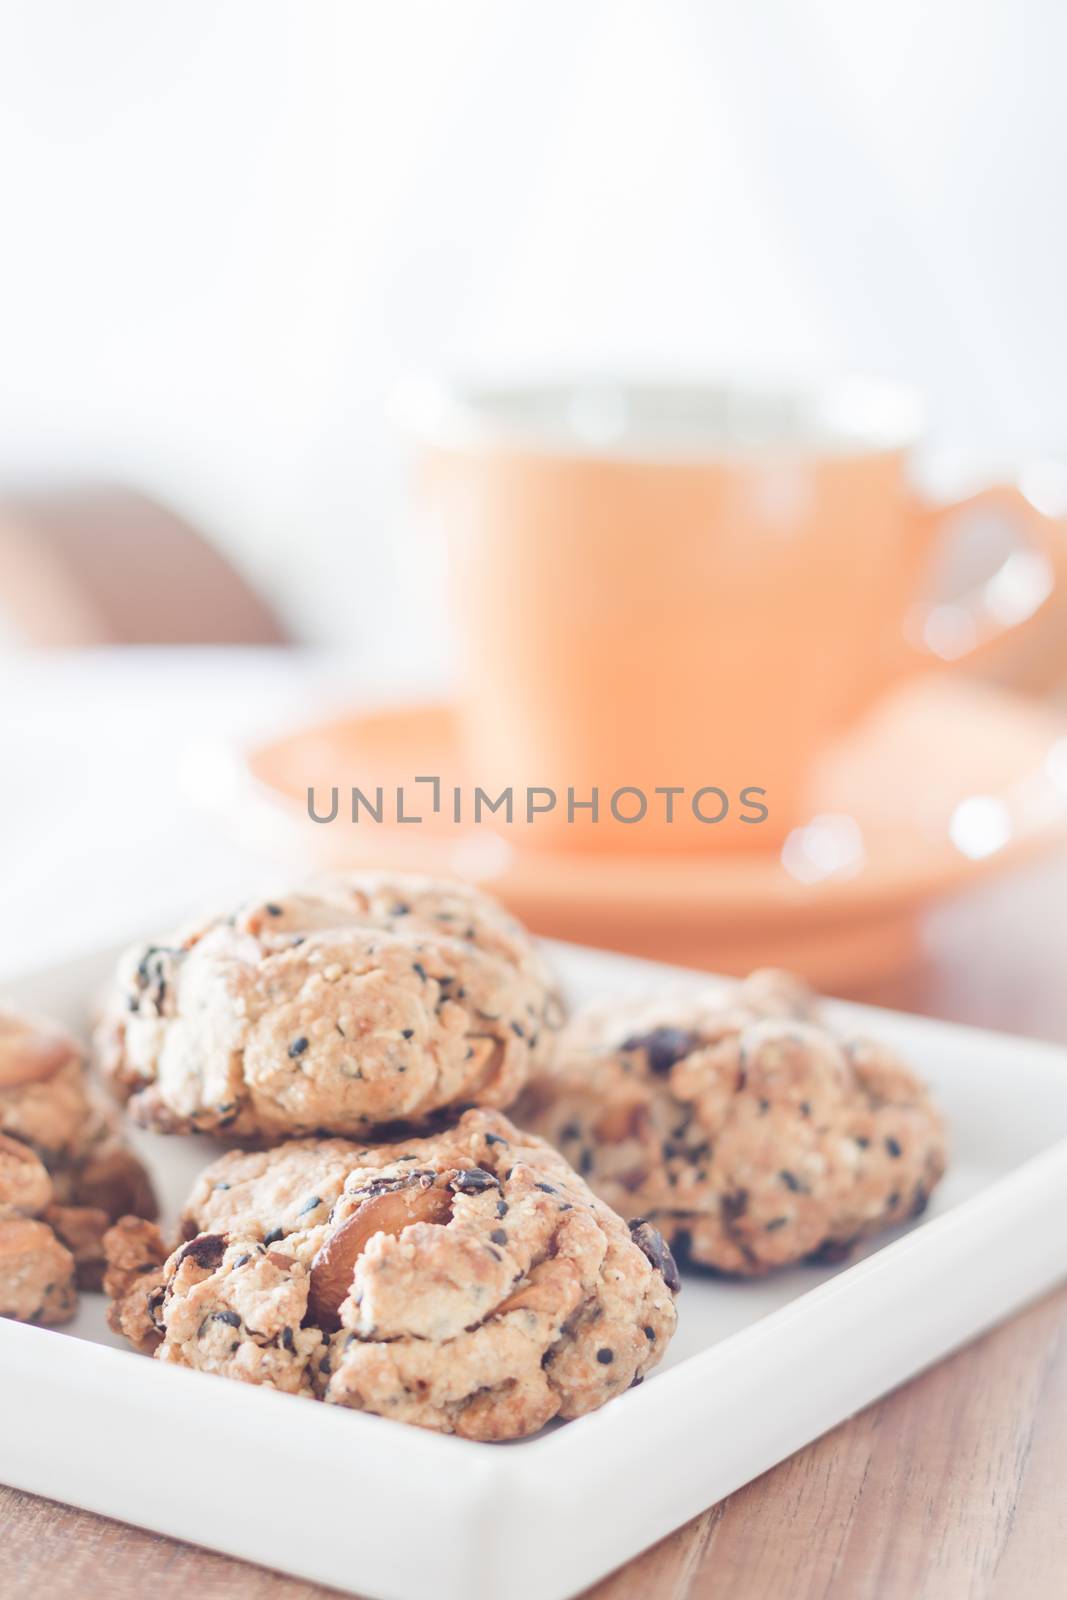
[755, 1371]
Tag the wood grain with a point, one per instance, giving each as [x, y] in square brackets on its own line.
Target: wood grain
[917, 1497]
[949, 1489]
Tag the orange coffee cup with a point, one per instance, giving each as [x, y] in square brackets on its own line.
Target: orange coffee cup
[680, 592]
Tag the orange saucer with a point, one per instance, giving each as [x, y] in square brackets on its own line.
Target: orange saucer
[945, 781]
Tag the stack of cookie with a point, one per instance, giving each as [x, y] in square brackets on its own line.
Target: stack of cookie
[387, 1240]
[65, 1174]
[382, 1237]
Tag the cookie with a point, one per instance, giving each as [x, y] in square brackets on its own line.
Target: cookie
[43, 1097]
[353, 1004]
[468, 1282]
[25, 1187]
[739, 1126]
[32, 1049]
[63, 1166]
[48, 1103]
[36, 1273]
[81, 1229]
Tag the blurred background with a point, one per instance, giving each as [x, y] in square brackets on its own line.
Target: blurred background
[233, 225]
[233, 230]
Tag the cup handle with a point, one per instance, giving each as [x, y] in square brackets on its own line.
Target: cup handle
[981, 630]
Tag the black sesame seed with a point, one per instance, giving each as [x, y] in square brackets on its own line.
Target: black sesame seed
[893, 1201]
[894, 1147]
[518, 1030]
[273, 1236]
[499, 1236]
[418, 967]
[862, 1141]
[222, 1186]
[309, 1205]
[790, 1181]
[805, 1108]
[400, 909]
[546, 1188]
[241, 1260]
[407, 1033]
[494, 1138]
[272, 910]
[585, 1162]
[287, 1339]
[775, 1223]
[501, 1208]
[230, 1318]
[650, 1334]
[605, 1356]
[298, 1047]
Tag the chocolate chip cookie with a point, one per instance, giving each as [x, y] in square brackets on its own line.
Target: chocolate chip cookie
[37, 1271]
[65, 1174]
[468, 1282]
[354, 1003]
[741, 1127]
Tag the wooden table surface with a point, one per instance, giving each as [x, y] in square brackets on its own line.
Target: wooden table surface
[950, 1489]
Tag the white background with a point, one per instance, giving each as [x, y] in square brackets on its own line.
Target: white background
[229, 227]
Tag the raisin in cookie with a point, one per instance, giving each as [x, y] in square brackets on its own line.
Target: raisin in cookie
[63, 1167]
[468, 1282]
[740, 1127]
